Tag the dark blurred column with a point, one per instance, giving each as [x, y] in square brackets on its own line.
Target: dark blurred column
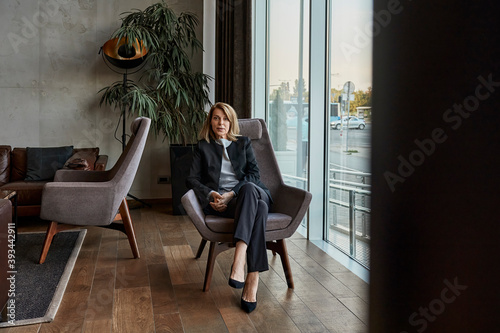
[436, 185]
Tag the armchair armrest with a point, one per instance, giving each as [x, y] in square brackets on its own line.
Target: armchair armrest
[101, 162]
[293, 201]
[193, 208]
[79, 203]
[195, 212]
[66, 175]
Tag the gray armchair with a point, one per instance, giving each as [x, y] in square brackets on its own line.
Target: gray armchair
[288, 210]
[95, 197]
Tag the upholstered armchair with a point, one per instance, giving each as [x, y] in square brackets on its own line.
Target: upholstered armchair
[93, 198]
[288, 210]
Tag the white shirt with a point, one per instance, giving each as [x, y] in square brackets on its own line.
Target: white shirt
[227, 179]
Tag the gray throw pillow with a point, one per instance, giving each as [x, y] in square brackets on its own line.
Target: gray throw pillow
[42, 163]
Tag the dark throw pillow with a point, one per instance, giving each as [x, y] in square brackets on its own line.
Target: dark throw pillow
[42, 163]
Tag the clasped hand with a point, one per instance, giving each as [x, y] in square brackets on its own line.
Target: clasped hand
[220, 201]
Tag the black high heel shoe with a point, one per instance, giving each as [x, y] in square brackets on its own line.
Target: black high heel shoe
[234, 283]
[248, 306]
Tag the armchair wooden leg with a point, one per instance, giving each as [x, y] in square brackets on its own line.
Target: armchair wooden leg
[200, 248]
[210, 266]
[280, 247]
[51, 231]
[214, 250]
[129, 227]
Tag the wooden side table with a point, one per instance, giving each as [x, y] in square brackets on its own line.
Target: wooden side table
[11, 195]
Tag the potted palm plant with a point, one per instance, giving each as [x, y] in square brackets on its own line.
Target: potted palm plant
[168, 91]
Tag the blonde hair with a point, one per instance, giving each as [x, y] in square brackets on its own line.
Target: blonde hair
[234, 130]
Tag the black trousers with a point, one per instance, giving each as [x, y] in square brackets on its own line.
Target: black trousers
[249, 210]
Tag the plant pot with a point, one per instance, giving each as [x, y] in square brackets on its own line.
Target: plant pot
[181, 157]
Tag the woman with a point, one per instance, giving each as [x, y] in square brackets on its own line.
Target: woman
[225, 177]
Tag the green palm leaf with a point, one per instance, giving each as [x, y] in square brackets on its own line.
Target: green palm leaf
[167, 91]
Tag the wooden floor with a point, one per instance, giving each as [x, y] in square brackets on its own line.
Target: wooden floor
[162, 291]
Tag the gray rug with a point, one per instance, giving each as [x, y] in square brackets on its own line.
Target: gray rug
[39, 289]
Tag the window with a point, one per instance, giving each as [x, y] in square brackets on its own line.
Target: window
[288, 65]
[332, 94]
[348, 207]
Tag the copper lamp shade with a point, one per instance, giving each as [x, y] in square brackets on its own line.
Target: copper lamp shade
[118, 53]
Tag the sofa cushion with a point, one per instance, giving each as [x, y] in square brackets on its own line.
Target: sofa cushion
[42, 163]
[82, 159]
[4, 164]
[29, 193]
[17, 164]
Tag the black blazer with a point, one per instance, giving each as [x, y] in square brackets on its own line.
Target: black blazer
[207, 162]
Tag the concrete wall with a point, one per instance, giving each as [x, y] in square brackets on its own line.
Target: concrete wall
[51, 72]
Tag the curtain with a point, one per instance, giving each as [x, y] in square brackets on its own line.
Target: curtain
[233, 79]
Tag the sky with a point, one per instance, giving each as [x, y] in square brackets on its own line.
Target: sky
[351, 45]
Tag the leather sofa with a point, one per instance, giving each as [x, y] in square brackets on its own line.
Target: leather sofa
[5, 219]
[15, 168]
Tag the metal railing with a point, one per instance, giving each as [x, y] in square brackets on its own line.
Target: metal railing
[354, 189]
[357, 189]
[353, 208]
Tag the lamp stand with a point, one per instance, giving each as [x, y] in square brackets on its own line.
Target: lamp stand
[118, 53]
[124, 136]
[124, 107]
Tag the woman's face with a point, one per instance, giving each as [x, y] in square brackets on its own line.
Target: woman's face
[220, 124]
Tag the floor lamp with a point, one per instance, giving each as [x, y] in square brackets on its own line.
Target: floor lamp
[118, 53]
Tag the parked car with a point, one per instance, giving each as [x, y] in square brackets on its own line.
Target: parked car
[351, 122]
